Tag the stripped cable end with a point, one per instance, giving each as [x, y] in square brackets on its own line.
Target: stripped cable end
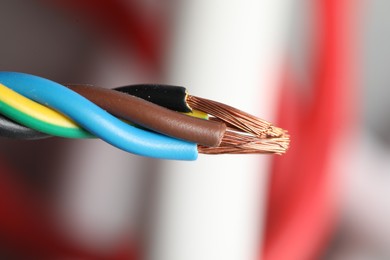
[245, 133]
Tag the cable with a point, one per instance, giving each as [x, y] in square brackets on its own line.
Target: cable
[98, 121]
[34, 115]
[130, 108]
[208, 134]
[154, 117]
[37, 116]
[229, 130]
[11, 129]
[136, 110]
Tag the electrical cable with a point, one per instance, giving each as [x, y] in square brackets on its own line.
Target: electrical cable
[136, 110]
[96, 120]
[154, 117]
[45, 119]
[229, 130]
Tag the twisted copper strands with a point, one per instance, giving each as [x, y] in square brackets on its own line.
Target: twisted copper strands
[239, 143]
[245, 133]
[235, 117]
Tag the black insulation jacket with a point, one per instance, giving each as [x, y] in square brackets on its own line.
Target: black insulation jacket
[172, 97]
[11, 129]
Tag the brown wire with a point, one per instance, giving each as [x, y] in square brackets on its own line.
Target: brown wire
[154, 117]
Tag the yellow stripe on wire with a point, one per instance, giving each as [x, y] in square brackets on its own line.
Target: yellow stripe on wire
[34, 109]
[198, 114]
[44, 119]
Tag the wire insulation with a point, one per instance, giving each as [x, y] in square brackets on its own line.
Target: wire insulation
[46, 120]
[11, 129]
[154, 117]
[96, 120]
[36, 116]
[172, 97]
[229, 130]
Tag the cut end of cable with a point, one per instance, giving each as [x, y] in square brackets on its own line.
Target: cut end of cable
[239, 143]
[245, 133]
[228, 130]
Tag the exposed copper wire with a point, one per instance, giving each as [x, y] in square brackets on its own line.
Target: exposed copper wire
[236, 142]
[235, 117]
[245, 133]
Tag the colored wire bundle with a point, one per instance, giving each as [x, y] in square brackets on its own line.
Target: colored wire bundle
[96, 120]
[154, 117]
[37, 116]
[85, 111]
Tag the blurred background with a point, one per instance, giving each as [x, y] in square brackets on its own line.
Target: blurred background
[317, 68]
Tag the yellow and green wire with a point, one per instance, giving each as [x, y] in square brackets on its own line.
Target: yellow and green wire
[44, 119]
[39, 117]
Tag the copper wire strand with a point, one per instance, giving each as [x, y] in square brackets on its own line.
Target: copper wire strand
[236, 142]
[235, 117]
[245, 134]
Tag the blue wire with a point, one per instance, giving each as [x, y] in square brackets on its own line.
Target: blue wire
[96, 120]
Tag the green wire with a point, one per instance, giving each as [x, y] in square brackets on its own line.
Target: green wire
[40, 125]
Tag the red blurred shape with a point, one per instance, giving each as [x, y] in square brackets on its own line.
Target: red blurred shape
[301, 206]
[124, 22]
[26, 228]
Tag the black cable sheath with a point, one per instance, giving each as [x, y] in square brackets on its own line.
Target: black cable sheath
[172, 97]
[11, 129]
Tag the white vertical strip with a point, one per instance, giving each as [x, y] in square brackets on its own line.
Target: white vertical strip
[213, 208]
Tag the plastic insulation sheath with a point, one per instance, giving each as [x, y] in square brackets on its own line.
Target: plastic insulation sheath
[36, 116]
[151, 92]
[172, 97]
[39, 111]
[40, 125]
[10, 129]
[154, 117]
[98, 121]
